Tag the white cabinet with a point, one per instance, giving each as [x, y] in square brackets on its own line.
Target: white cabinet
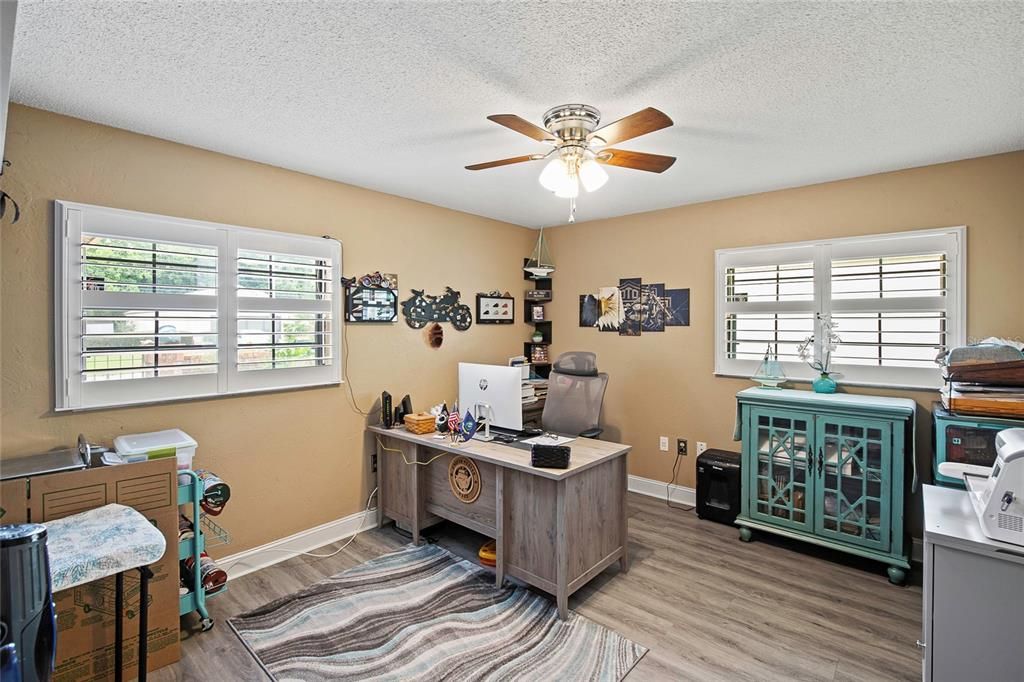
[973, 596]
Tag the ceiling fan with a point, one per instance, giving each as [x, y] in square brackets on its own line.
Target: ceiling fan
[582, 147]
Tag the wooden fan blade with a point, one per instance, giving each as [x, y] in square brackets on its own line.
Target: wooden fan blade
[521, 125]
[501, 162]
[642, 122]
[652, 163]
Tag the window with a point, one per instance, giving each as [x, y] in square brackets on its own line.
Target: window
[895, 303]
[153, 308]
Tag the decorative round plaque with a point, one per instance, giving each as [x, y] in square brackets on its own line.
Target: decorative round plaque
[464, 479]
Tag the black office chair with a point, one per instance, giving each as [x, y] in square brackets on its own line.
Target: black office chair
[575, 393]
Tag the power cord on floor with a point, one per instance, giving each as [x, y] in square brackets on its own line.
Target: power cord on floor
[323, 556]
[668, 489]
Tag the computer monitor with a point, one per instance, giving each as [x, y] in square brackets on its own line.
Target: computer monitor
[498, 386]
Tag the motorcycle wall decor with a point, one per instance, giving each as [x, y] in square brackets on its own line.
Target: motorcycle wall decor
[371, 298]
[423, 308]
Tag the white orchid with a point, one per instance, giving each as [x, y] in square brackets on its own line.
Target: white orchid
[806, 349]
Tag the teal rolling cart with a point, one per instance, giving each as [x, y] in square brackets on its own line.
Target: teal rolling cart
[206, 534]
[830, 469]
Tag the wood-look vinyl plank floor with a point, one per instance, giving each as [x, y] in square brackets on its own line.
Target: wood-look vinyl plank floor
[708, 606]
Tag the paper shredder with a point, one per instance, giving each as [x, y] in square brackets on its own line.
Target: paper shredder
[718, 485]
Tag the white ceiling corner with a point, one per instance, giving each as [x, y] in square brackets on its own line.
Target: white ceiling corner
[393, 95]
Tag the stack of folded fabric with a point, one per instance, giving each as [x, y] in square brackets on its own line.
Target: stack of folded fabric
[985, 379]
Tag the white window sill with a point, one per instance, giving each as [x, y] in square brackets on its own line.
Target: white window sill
[841, 382]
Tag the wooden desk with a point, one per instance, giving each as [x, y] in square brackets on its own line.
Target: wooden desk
[554, 529]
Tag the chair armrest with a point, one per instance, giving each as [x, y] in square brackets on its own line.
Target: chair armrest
[592, 433]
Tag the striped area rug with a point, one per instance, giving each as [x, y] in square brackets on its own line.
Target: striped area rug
[422, 613]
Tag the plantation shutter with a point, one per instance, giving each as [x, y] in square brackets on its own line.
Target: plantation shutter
[152, 308]
[894, 304]
[141, 304]
[286, 301]
[766, 298]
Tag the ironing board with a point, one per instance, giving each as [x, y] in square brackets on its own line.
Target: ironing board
[101, 542]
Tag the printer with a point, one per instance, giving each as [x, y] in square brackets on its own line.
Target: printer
[997, 492]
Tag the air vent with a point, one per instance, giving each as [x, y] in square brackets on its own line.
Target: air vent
[1012, 523]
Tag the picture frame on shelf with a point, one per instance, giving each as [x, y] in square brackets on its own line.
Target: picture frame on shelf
[538, 295]
[495, 309]
[539, 354]
[536, 313]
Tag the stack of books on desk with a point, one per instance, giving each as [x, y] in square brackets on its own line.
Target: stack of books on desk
[540, 388]
[534, 390]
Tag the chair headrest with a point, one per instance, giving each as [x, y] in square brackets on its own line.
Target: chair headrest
[577, 363]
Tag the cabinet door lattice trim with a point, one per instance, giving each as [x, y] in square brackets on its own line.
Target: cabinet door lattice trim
[782, 479]
[852, 496]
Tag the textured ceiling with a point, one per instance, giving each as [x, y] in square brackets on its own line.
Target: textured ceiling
[393, 95]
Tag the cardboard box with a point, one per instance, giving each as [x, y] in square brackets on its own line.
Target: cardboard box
[85, 614]
[14, 500]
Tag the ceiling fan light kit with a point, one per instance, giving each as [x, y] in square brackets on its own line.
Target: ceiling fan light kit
[573, 131]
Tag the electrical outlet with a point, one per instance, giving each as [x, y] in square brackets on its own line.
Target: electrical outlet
[663, 443]
[681, 446]
[701, 447]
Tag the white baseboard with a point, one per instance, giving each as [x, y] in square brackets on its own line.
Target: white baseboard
[663, 491]
[274, 552]
[688, 496]
[277, 551]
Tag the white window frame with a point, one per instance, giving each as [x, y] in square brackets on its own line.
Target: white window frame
[950, 240]
[72, 219]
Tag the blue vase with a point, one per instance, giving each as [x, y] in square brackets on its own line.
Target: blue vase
[824, 384]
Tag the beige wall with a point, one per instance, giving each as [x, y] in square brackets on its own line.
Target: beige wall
[294, 459]
[663, 383]
[297, 459]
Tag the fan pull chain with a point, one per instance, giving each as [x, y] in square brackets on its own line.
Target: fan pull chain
[572, 211]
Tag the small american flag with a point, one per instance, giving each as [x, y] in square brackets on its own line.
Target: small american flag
[453, 421]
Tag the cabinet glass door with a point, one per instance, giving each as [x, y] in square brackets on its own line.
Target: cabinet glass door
[853, 459]
[779, 484]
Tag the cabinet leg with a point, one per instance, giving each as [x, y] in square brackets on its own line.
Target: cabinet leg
[897, 575]
[562, 599]
[746, 535]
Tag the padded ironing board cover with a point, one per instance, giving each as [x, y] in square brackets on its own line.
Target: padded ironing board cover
[99, 543]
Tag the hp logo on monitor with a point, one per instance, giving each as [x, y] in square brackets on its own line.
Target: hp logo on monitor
[483, 384]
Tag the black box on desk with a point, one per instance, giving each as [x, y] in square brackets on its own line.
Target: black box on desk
[718, 485]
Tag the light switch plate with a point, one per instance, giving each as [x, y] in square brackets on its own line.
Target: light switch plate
[663, 443]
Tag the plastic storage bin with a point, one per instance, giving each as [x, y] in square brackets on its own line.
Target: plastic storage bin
[967, 439]
[156, 444]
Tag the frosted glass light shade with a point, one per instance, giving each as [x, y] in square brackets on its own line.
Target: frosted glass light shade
[570, 189]
[592, 175]
[555, 175]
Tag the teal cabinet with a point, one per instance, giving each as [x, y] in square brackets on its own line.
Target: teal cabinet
[830, 469]
[779, 478]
